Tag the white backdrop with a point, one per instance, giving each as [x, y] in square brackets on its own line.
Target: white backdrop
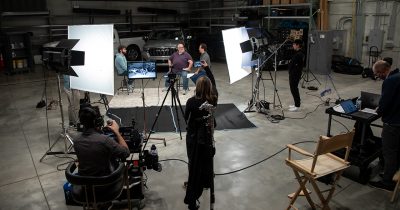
[97, 75]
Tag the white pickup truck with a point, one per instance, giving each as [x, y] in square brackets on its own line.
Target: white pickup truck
[134, 46]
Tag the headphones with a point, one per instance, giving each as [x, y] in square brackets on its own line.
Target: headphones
[94, 113]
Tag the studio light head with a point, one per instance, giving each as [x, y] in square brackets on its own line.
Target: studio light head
[61, 57]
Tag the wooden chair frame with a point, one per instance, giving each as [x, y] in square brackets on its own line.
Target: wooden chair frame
[311, 169]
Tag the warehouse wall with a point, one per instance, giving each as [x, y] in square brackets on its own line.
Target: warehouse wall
[344, 8]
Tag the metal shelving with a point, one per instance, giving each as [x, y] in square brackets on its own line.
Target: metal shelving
[204, 15]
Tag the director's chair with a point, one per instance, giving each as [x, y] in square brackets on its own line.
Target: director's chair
[319, 164]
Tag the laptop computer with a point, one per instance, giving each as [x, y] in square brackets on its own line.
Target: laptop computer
[369, 100]
[348, 106]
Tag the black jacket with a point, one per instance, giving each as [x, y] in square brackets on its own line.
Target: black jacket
[389, 105]
[296, 63]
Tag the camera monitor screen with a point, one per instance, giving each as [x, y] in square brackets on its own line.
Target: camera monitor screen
[197, 64]
[142, 70]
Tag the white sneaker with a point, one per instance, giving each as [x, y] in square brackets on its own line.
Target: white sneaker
[294, 109]
[291, 106]
[184, 92]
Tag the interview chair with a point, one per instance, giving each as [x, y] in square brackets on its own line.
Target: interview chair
[91, 191]
[319, 164]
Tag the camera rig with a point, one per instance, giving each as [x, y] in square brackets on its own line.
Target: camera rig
[148, 159]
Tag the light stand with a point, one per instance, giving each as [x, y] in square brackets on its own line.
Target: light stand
[255, 94]
[306, 74]
[146, 138]
[61, 58]
[64, 131]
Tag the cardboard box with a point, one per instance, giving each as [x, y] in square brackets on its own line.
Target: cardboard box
[285, 1]
[275, 1]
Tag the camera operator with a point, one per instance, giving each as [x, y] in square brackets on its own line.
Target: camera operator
[97, 152]
[199, 142]
[181, 63]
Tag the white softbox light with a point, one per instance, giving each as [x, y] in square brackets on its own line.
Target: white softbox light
[97, 75]
[239, 63]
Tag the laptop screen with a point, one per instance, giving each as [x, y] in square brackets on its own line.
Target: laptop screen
[348, 106]
[369, 100]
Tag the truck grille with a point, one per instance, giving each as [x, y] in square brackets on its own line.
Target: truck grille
[161, 51]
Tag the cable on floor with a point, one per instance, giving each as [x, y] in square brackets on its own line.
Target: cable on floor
[308, 113]
[249, 166]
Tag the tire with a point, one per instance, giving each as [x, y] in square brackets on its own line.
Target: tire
[133, 53]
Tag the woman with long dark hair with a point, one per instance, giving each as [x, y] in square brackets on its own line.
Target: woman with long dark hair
[199, 142]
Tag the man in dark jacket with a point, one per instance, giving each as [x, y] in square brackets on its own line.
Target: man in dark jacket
[389, 109]
[295, 69]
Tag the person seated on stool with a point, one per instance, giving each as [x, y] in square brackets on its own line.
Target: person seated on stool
[180, 63]
[389, 109]
[122, 66]
[204, 58]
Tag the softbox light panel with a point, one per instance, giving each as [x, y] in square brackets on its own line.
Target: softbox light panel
[97, 75]
[239, 63]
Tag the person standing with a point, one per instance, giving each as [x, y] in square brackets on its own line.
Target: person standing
[181, 63]
[73, 96]
[295, 70]
[199, 147]
[122, 65]
[389, 110]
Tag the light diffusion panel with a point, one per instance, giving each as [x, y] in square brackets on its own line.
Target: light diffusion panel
[97, 75]
[239, 64]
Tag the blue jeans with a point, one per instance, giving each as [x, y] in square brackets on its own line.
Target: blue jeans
[201, 73]
[184, 79]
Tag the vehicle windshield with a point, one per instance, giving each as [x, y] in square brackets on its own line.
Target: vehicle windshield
[158, 35]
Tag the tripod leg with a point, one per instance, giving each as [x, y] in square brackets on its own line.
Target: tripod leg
[157, 115]
[174, 98]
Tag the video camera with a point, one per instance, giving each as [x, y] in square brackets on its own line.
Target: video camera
[171, 77]
[134, 140]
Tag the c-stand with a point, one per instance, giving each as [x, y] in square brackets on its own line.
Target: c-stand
[254, 101]
[175, 99]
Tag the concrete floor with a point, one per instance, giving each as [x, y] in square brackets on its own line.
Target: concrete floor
[26, 183]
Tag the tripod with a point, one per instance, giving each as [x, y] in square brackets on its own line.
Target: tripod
[175, 99]
[144, 120]
[64, 132]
